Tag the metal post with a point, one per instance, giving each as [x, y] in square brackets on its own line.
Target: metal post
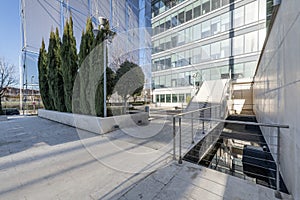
[203, 127]
[192, 127]
[180, 158]
[174, 137]
[277, 193]
[104, 79]
[210, 117]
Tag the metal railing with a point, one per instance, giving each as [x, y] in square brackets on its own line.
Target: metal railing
[211, 116]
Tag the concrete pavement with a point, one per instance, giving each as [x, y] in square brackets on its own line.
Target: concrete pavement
[40, 159]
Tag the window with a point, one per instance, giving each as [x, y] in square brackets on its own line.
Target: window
[174, 98]
[205, 6]
[174, 40]
[261, 37]
[225, 2]
[225, 22]
[174, 60]
[181, 59]
[162, 81]
[189, 13]
[181, 98]
[216, 50]
[161, 45]
[168, 81]
[251, 42]
[238, 17]
[225, 48]
[262, 10]
[250, 68]
[162, 25]
[188, 57]
[168, 43]
[156, 82]
[181, 38]
[238, 45]
[197, 32]
[224, 72]
[205, 32]
[174, 80]
[215, 74]
[168, 62]
[188, 35]
[205, 52]
[196, 55]
[162, 63]
[181, 80]
[155, 46]
[162, 98]
[162, 7]
[238, 71]
[174, 20]
[197, 9]
[168, 23]
[215, 4]
[215, 25]
[206, 74]
[155, 9]
[187, 78]
[168, 98]
[155, 28]
[157, 98]
[251, 12]
[180, 17]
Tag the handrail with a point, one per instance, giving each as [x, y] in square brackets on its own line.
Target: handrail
[189, 112]
[182, 115]
[243, 123]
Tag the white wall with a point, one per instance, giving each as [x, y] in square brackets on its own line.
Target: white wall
[277, 90]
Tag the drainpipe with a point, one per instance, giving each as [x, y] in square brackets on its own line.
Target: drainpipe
[276, 2]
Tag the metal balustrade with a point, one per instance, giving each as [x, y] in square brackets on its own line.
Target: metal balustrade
[208, 119]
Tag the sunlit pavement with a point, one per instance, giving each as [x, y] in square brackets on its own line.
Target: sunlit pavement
[41, 159]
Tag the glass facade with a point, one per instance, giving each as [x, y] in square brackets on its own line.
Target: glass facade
[208, 45]
[192, 11]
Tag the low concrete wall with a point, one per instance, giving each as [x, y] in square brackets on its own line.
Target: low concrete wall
[3, 118]
[94, 124]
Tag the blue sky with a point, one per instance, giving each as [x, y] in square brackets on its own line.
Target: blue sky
[10, 36]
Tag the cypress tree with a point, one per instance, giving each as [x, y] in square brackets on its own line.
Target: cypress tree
[43, 78]
[55, 80]
[69, 63]
[87, 40]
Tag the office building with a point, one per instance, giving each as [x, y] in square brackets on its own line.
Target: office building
[200, 40]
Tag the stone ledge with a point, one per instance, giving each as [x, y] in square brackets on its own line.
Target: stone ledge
[94, 124]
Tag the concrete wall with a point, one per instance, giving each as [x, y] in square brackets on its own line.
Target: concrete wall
[277, 90]
[94, 124]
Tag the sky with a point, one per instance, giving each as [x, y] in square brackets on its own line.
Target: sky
[10, 34]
